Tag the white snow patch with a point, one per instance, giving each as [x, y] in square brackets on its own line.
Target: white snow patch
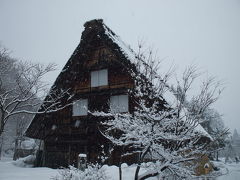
[228, 171]
[28, 144]
[8, 171]
[25, 162]
[82, 155]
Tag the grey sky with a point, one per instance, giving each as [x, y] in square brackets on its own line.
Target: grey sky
[204, 32]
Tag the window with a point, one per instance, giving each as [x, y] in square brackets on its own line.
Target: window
[99, 78]
[119, 103]
[80, 107]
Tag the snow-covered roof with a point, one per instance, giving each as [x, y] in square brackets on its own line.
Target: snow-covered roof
[126, 49]
[202, 131]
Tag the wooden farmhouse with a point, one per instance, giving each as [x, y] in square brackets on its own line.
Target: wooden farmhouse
[98, 75]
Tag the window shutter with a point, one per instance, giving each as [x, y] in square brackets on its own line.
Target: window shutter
[80, 107]
[123, 103]
[76, 106]
[84, 107]
[99, 78]
[103, 77]
[119, 103]
[94, 78]
[114, 103]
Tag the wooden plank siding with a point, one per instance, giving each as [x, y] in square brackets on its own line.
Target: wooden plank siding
[67, 141]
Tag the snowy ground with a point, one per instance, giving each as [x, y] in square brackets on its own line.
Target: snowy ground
[9, 171]
[231, 172]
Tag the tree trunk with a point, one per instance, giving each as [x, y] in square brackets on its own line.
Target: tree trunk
[15, 155]
[142, 155]
[1, 123]
[137, 172]
[120, 172]
[1, 145]
[1, 129]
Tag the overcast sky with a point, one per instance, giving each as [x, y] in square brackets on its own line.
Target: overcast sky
[203, 32]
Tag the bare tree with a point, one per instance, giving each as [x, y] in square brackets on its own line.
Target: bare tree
[22, 121]
[25, 91]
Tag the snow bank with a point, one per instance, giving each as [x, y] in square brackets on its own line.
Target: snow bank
[8, 171]
[25, 162]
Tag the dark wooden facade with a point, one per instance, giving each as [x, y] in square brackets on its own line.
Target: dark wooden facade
[63, 140]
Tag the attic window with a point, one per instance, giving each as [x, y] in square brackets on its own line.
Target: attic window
[99, 78]
[119, 103]
[80, 107]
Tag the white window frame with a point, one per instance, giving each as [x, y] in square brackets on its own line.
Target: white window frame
[119, 103]
[99, 78]
[80, 107]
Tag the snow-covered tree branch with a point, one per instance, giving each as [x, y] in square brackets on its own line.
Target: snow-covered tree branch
[22, 89]
[166, 132]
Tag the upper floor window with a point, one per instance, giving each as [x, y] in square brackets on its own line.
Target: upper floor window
[80, 107]
[99, 78]
[119, 103]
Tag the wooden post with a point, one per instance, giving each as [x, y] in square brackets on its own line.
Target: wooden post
[69, 154]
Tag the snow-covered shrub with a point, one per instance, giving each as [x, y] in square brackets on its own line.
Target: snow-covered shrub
[92, 172]
[25, 162]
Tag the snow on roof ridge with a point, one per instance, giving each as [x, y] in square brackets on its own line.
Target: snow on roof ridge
[203, 132]
[126, 49]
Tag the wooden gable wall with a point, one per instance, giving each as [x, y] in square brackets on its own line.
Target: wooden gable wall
[63, 139]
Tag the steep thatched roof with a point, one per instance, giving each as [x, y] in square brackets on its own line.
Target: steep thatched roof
[95, 30]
